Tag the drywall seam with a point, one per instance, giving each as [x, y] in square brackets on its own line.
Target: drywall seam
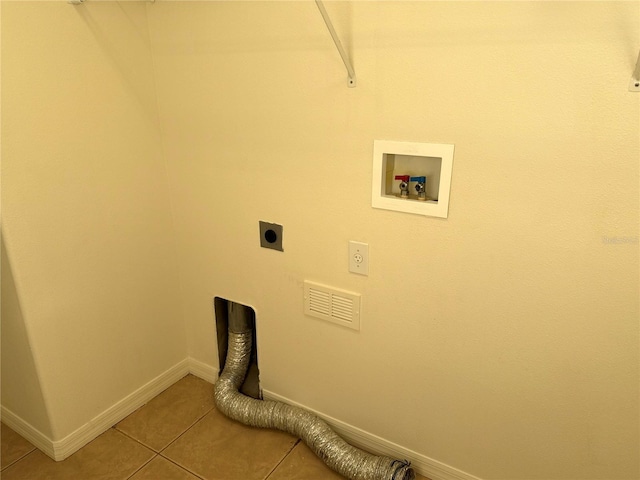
[422, 464]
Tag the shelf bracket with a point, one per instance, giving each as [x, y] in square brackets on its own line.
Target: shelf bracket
[350, 71]
[634, 83]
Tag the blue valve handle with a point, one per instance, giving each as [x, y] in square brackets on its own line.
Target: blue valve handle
[419, 179]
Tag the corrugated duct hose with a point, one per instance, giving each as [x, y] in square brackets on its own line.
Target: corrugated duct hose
[345, 459]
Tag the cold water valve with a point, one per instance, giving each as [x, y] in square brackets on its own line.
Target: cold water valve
[420, 187]
[404, 185]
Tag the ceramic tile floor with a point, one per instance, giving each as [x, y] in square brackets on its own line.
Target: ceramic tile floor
[179, 435]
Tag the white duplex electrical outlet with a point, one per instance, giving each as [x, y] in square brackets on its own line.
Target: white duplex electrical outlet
[359, 258]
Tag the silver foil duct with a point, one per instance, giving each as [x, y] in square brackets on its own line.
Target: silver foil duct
[345, 459]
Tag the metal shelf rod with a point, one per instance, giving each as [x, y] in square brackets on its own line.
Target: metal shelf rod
[634, 83]
[345, 59]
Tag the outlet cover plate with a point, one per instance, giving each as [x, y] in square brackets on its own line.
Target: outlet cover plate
[359, 258]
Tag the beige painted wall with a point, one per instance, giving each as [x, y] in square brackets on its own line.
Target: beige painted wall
[21, 388]
[502, 341]
[86, 214]
[25, 396]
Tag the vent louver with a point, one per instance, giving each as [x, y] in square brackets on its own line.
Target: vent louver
[332, 305]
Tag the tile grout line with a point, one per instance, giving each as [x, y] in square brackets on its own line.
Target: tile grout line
[158, 452]
[19, 459]
[139, 442]
[182, 468]
[155, 454]
[142, 466]
[186, 430]
[282, 459]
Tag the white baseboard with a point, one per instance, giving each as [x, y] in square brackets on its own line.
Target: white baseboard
[202, 370]
[61, 449]
[422, 464]
[104, 421]
[27, 431]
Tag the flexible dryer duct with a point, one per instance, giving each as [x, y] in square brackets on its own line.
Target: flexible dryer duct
[345, 459]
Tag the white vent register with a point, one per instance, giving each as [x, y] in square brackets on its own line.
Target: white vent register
[332, 305]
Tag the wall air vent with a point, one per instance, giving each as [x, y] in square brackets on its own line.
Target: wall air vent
[332, 305]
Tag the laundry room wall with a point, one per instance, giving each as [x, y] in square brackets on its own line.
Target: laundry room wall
[501, 341]
[91, 302]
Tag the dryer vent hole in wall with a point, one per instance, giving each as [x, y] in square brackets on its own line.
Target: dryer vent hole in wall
[251, 385]
[349, 461]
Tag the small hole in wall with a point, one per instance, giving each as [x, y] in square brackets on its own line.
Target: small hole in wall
[251, 385]
[270, 236]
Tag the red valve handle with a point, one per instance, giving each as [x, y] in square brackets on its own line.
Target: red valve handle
[404, 178]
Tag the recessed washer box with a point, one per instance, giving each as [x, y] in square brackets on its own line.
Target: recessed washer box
[431, 160]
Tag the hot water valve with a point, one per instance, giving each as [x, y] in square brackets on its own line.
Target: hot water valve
[404, 185]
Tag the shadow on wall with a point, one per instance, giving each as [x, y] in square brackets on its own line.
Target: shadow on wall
[22, 394]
